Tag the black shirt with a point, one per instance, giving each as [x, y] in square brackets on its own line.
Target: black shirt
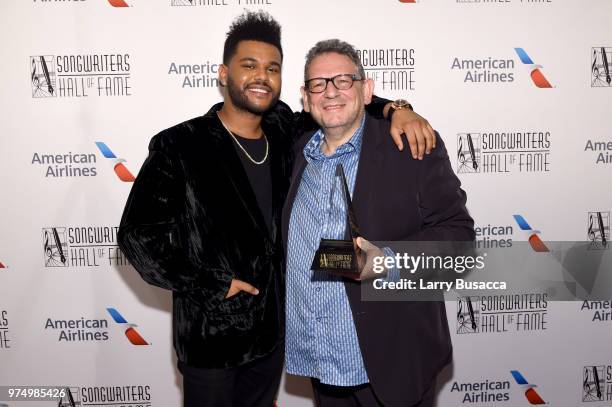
[259, 174]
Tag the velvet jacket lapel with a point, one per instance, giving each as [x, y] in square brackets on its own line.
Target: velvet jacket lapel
[280, 167]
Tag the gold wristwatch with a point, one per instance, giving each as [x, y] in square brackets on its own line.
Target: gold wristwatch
[398, 104]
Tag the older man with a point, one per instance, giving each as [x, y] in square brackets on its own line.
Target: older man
[362, 353]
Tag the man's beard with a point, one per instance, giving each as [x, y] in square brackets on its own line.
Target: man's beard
[241, 101]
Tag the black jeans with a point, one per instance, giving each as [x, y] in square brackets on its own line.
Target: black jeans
[355, 396]
[251, 385]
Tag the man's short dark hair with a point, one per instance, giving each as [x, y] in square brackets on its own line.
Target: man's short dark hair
[252, 26]
[338, 47]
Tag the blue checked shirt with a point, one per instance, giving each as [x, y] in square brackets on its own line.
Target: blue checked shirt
[321, 339]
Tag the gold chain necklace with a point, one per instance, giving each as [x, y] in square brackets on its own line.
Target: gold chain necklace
[263, 160]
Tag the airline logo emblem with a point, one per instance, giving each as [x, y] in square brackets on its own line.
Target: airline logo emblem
[535, 72]
[120, 169]
[130, 332]
[532, 396]
[534, 240]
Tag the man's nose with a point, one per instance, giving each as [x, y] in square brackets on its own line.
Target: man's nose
[330, 90]
[261, 73]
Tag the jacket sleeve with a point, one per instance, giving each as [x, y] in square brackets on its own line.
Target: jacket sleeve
[441, 200]
[376, 107]
[152, 237]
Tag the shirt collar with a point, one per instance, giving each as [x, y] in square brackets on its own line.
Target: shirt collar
[313, 151]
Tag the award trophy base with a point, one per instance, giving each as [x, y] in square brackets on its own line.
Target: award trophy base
[337, 256]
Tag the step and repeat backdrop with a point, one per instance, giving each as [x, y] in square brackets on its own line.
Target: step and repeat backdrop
[521, 92]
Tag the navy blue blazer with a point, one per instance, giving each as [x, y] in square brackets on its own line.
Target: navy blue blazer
[397, 198]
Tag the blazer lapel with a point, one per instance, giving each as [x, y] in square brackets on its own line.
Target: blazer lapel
[370, 161]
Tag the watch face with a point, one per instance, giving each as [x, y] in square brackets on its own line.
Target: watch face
[400, 103]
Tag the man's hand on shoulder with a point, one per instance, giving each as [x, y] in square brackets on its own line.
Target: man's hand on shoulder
[420, 134]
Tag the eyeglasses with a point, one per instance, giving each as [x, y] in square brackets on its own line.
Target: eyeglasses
[341, 82]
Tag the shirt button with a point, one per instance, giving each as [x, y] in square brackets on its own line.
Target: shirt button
[319, 319]
[318, 289]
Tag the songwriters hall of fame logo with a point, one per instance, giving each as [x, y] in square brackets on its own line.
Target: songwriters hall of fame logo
[4, 330]
[43, 76]
[596, 383]
[468, 153]
[390, 68]
[55, 247]
[502, 313]
[82, 247]
[504, 152]
[601, 65]
[71, 398]
[599, 230]
[184, 3]
[220, 2]
[125, 396]
[468, 315]
[83, 75]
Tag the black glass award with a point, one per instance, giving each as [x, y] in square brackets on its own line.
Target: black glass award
[341, 256]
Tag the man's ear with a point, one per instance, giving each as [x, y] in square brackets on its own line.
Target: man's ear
[223, 75]
[368, 90]
[305, 99]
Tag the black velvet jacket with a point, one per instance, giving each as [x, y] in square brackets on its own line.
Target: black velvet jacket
[192, 223]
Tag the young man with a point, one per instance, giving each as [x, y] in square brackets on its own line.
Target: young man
[362, 353]
[203, 220]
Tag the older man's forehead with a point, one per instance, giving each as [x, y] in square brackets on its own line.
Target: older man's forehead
[331, 61]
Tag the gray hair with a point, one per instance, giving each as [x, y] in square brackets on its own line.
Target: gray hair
[338, 47]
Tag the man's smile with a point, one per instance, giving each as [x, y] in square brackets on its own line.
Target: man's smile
[331, 108]
[259, 90]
